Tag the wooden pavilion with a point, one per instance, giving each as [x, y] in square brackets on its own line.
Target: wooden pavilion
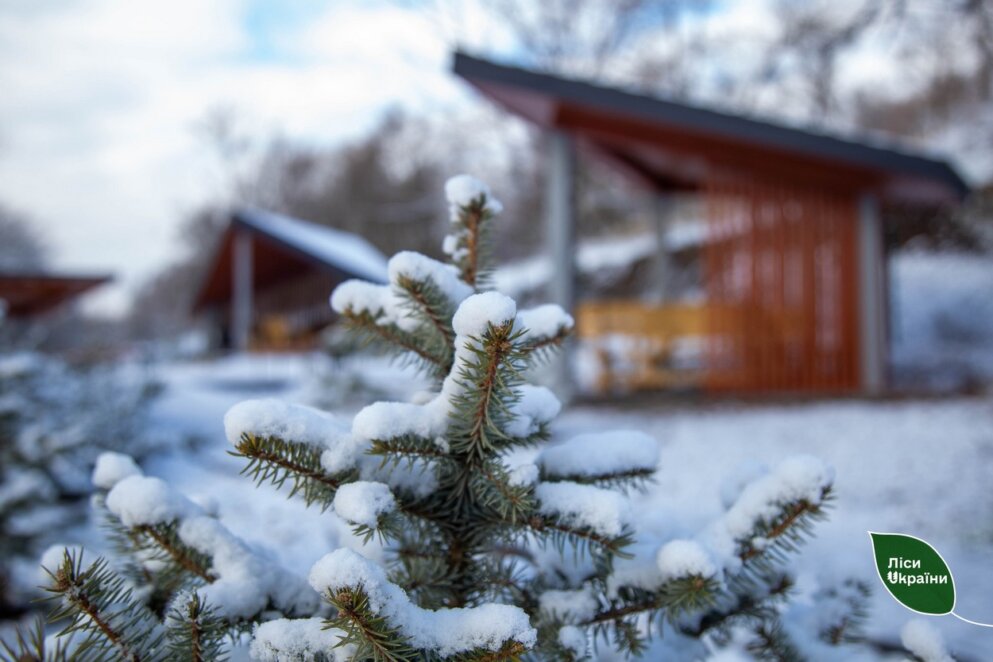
[793, 263]
[270, 279]
[27, 295]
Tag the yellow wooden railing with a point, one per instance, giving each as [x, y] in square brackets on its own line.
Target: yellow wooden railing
[641, 346]
[635, 343]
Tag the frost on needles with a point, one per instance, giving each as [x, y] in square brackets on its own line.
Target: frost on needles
[490, 557]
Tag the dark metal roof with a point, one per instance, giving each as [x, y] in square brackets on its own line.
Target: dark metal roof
[867, 154]
[27, 293]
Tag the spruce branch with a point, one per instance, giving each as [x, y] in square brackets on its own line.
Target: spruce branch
[425, 300]
[153, 555]
[510, 650]
[29, 645]
[637, 479]
[472, 245]
[488, 383]
[541, 349]
[849, 620]
[627, 637]
[674, 598]
[425, 576]
[490, 485]
[784, 533]
[585, 541]
[389, 526]
[369, 632]
[393, 336]
[746, 606]
[275, 460]
[771, 642]
[409, 448]
[507, 580]
[166, 538]
[194, 633]
[95, 600]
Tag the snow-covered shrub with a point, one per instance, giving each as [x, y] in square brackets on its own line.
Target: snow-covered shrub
[54, 421]
[942, 319]
[502, 542]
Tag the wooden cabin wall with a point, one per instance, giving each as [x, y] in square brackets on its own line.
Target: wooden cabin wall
[289, 314]
[780, 275]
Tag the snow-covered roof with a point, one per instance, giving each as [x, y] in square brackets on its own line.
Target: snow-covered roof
[599, 255]
[343, 250]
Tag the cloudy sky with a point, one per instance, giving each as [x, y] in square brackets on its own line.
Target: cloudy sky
[101, 100]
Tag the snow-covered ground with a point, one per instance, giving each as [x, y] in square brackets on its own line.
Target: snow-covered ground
[921, 468]
[942, 305]
[918, 467]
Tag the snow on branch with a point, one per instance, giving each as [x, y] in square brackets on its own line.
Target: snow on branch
[536, 407]
[391, 420]
[139, 500]
[772, 510]
[291, 422]
[584, 506]
[545, 326]
[528, 410]
[239, 583]
[924, 641]
[568, 606]
[293, 442]
[410, 266]
[681, 559]
[298, 640]
[247, 583]
[471, 207]
[342, 574]
[378, 313]
[605, 458]
[364, 502]
[413, 311]
[481, 311]
[802, 478]
[573, 639]
[464, 190]
[111, 468]
[98, 604]
[357, 297]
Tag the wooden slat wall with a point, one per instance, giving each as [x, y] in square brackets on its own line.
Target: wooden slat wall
[780, 273]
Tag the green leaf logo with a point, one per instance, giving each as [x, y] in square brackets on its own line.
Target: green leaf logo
[914, 573]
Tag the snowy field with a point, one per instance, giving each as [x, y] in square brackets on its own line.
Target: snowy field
[918, 467]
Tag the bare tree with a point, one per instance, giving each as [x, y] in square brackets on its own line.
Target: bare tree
[21, 244]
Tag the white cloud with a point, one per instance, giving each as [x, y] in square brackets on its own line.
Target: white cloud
[100, 98]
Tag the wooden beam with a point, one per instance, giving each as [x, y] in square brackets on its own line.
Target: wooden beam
[872, 297]
[560, 209]
[241, 286]
[664, 210]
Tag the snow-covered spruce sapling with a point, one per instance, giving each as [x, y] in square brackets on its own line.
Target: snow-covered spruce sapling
[499, 545]
[54, 421]
[182, 587]
[469, 518]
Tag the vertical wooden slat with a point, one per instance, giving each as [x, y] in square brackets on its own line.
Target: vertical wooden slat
[780, 277]
[850, 217]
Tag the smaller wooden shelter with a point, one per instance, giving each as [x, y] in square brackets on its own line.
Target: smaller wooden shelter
[27, 295]
[792, 258]
[270, 279]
